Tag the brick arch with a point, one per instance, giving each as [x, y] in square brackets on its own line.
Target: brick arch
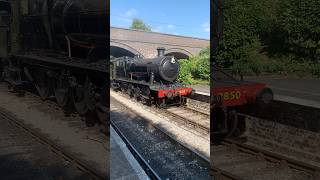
[180, 53]
[124, 48]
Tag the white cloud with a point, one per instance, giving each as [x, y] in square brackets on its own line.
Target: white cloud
[131, 13]
[124, 19]
[206, 27]
[170, 26]
[157, 29]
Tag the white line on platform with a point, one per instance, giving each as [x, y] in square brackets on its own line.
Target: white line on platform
[297, 101]
[295, 91]
[203, 93]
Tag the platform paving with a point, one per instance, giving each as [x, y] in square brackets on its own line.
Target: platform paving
[204, 89]
[122, 163]
[299, 91]
[304, 92]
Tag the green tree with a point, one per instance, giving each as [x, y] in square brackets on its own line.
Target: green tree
[300, 22]
[242, 26]
[139, 24]
[280, 36]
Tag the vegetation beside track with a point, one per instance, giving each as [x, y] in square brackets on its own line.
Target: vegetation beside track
[196, 69]
[271, 36]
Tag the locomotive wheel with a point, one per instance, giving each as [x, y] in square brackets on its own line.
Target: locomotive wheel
[62, 90]
[148, 102]
[79, 100]
[161, 103]
[130, 91]
[43, 91]
[83, 97]
[136, 93]
[124, 88]
[41, 84]
[1, 71]
[234, 130]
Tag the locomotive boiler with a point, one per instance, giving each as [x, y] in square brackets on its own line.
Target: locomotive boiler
[60, 48]
[160, 69]
[151, 80]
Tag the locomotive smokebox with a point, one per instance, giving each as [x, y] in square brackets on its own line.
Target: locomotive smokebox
[161, 51]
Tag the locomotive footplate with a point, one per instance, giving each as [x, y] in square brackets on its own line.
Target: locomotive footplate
[63, 61]
[161, 95]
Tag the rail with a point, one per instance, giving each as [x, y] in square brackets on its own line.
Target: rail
[267, 156]
[82, 166]
[143, 163]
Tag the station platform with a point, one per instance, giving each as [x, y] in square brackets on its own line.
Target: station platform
[304, 92]
[123, 166]
[201, 89]
[202, 93]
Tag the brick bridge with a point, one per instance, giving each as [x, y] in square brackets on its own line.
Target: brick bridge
[128, 42]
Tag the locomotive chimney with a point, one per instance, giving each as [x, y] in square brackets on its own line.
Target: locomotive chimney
[160, 51]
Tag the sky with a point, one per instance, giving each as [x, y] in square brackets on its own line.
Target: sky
[179, 17]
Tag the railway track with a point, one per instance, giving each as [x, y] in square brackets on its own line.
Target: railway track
[50, 101]
[59, 151]
[238, 161]
[143, 163]
[159, 155]
[189, 117]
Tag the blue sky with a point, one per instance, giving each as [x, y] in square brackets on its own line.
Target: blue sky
[179, 17]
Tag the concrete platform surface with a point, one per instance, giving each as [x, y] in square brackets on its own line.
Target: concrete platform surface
[203, 89]
[123, 166]
[304, 92]
[297, 91]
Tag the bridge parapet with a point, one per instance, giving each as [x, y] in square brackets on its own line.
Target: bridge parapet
[145, 43]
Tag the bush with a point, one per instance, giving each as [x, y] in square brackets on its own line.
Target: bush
[196, 68]
[185, 75]
[273, 36]
[315, 70]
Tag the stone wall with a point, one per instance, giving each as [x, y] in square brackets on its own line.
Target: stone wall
[294, 142]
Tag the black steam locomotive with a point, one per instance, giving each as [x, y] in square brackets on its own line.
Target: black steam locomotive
[59, 47]
[150, 80]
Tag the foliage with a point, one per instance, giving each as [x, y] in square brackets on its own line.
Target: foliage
[139, 24]
[300, 21]
[196, 69]
[186, 68]
[270, 36]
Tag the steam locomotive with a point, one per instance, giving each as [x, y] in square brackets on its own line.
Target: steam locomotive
[150, 80]
[229, 96]
[60, 48]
